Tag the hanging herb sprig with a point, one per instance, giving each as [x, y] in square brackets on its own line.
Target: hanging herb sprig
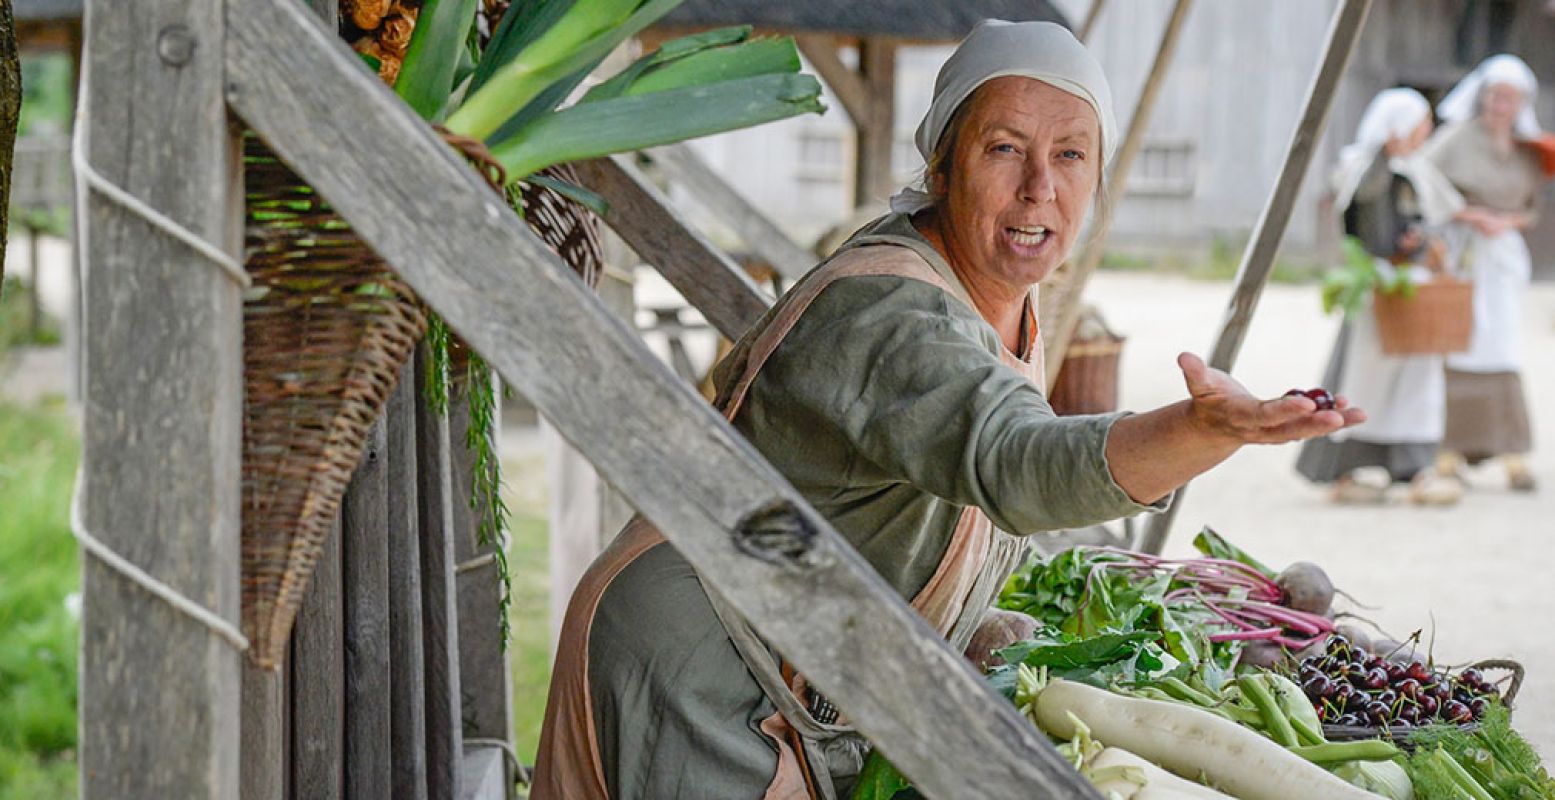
[491, 526]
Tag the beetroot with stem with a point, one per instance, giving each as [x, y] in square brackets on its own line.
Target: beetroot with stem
[1306, 587]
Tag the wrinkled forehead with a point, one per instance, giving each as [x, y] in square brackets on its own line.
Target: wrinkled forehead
[1028, 106]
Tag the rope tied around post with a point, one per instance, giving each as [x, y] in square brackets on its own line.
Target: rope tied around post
[89, 177]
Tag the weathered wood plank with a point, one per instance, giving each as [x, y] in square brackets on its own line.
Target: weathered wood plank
[642, 216]
[763, 237]
[1061, 295]
[407, 710]
[160, 695]
[873, 180]
[745, 528]
[1258, 259]
[821, 52]
[483, 772]
[485, 677]
[364, 555]
[439, 598]
[318, 681]
[265, 751]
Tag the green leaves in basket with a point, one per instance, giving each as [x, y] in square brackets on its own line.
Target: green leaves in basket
[437, 46]
[590, 130]
[529, 55]
[1346, 287]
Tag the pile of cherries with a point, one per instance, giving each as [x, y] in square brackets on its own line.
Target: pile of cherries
[1349, 686]
[1321, 397]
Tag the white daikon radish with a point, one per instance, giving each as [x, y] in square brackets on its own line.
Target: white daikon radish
[1190, 742]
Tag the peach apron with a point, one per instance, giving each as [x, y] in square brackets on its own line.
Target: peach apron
[974, 567]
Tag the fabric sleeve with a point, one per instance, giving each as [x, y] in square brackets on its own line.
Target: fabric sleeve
[909, 379]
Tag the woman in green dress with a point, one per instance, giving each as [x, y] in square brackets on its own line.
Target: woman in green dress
[897, 387]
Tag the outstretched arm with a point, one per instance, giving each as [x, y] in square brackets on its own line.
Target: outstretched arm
[1151, 454]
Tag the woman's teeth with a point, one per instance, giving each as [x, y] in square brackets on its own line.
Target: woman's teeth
[1028, 236]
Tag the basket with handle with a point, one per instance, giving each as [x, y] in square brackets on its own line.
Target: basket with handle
[1087, 381]
[1437, 317]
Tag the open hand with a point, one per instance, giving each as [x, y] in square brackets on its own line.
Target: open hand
[1224, 408]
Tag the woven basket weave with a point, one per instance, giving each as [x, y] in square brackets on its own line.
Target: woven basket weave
[1439, 318]
[1087, 381]
[327, 329]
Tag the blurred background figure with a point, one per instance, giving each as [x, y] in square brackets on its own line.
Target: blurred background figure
[1482, 148]
[1388, 197]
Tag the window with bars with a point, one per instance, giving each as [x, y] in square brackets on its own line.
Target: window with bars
[1164, 167]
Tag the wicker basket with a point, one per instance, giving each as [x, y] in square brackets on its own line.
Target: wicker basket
[327, 329]
[1348, 733]
[1437, 319]
[1087, 381]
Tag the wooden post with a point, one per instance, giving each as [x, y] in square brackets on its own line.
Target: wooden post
[365, 581]
[265, 748]
[439, 625]
[407, 710]
[1091, 17]
[1258, 259]
[872, 178]
[1062, 292]
[10, 117]
[160, 693]
[748, 532]
[318, 682]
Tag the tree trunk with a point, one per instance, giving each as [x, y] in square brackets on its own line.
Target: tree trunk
[10, 112]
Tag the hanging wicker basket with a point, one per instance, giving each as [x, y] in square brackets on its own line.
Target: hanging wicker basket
[1087, 381]
[1437, 319]
[328, 327]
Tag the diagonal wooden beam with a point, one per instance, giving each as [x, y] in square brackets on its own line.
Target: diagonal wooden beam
[641, 215]
[1062, 293]
[1344, 31]
[846, 84]
[749, 533]
[1091, 16]
[759, 233]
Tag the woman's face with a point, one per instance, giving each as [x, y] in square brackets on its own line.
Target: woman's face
[1409, 143]
[1499, 105]
[1024, 169]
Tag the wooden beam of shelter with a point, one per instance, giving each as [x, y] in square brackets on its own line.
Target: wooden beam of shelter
[821, 52]
[642, 216]
[160, 692]
[748, 532]
[764, 238]
[1063, 293]
[1258, 259]
[873, 180]
[1091, 16]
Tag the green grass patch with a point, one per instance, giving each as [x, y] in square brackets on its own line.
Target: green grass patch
[16, 317]
[530, 645]
[38, 455]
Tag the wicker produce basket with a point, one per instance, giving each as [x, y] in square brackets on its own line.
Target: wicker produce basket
[327, 329]
[1088, 379]
[1437, 319]
[1347, 733]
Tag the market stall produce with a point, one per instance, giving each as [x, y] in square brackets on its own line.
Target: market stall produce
[1218, 677]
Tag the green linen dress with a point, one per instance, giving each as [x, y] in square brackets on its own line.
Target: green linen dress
[888, 408]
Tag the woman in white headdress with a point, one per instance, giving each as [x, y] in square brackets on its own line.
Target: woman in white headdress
[1484, 148]
[896, 387]
[1388, 197]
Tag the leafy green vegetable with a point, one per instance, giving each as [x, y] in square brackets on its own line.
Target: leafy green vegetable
[1214, 545]
[1493, 754]
[1346, 287]
[879, 780]
[1386, 778]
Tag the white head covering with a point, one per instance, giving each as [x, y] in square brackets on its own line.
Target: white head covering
[1463, 101]
[1395, 113]
[1045, 51]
